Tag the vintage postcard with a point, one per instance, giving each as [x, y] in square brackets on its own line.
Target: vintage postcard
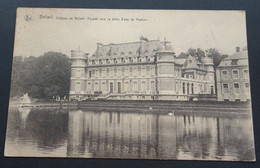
[131, 84]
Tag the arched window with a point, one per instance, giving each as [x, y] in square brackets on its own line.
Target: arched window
[188, 88]
[183, 88]
[211, 89]
[192, 88]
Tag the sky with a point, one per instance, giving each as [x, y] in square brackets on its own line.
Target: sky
[58, 30]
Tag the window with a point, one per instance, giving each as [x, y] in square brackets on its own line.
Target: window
[192, 88]
[123, 72]
[246, 74]
[143, 71]
[135, 71]
[77, 86]
[225, 88]
[119, 72]
[234, 62]
[247, 85]
[131, 71]
[111, 87]
[78, 73]
[89, 74]
[139, 71]
[107, 72]
[236, 88]
[211, 89]
[96, 73]
[235, 73]
[115, 72]
[119, 87]
[183, 88]
[224, 72]
[100, 72]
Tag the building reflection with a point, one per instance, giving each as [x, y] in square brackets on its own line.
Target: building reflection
[134, 135]
[79, 133]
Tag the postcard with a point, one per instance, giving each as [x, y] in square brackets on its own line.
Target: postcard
[130, 84]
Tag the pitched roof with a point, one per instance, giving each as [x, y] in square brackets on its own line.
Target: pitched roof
[236, 59]
[141, 48]
[238, 55]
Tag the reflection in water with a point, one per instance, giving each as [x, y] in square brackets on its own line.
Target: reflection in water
[78, 133]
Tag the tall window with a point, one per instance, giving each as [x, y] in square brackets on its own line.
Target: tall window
[183, 88]
[139, 71]
[123, 72]
[119, 72]
[236, 87]
[115, 72]
[188, 88]
[192, 88]
[78, 73]
[246, 74]
[93, 73]
[119, 87]
[107, 72]
[96, 73]
[225, 88]
[77, 86]
[135, 71]
[100, 72]
[147, 70]
[89, 74]
[131, 71]
[211, 89]
[111, 87]
[235, 73]
[247, 87]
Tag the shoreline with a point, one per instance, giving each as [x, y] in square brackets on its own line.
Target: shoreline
[156, 107]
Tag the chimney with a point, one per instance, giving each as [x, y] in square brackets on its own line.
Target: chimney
[237, 49]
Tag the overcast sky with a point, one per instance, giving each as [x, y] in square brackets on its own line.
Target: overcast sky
[223, 30]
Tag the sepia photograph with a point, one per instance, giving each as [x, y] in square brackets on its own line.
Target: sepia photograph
[130, 84]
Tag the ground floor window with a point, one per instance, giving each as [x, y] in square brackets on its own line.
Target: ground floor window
[211, 90]
[119, 87]
[225, 88]
[111, 87]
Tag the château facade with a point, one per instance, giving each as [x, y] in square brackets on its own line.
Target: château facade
[233, 82]
[142, 70]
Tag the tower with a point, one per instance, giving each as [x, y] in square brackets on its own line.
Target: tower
[165, 72]
[78, 77]
[209, 66]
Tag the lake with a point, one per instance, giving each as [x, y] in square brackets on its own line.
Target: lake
[62, 132]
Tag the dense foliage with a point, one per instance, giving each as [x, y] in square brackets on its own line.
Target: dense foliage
[41, 77]
[212, 52]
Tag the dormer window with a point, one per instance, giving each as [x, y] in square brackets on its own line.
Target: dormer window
[234, 62]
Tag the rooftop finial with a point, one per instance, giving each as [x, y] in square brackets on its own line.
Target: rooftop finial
[79, 47]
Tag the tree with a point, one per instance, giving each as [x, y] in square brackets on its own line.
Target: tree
[192, 52]
[217, 57]
[42, 77]
[183, 55]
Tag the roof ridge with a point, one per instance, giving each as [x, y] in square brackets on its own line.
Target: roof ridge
[129, 42]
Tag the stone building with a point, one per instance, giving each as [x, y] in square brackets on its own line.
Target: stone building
[142, 70]
[232, 76]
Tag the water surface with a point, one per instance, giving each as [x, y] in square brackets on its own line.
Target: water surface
[80, 133]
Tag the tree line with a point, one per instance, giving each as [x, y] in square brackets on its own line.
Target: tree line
[41, 77]
[212, 53]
